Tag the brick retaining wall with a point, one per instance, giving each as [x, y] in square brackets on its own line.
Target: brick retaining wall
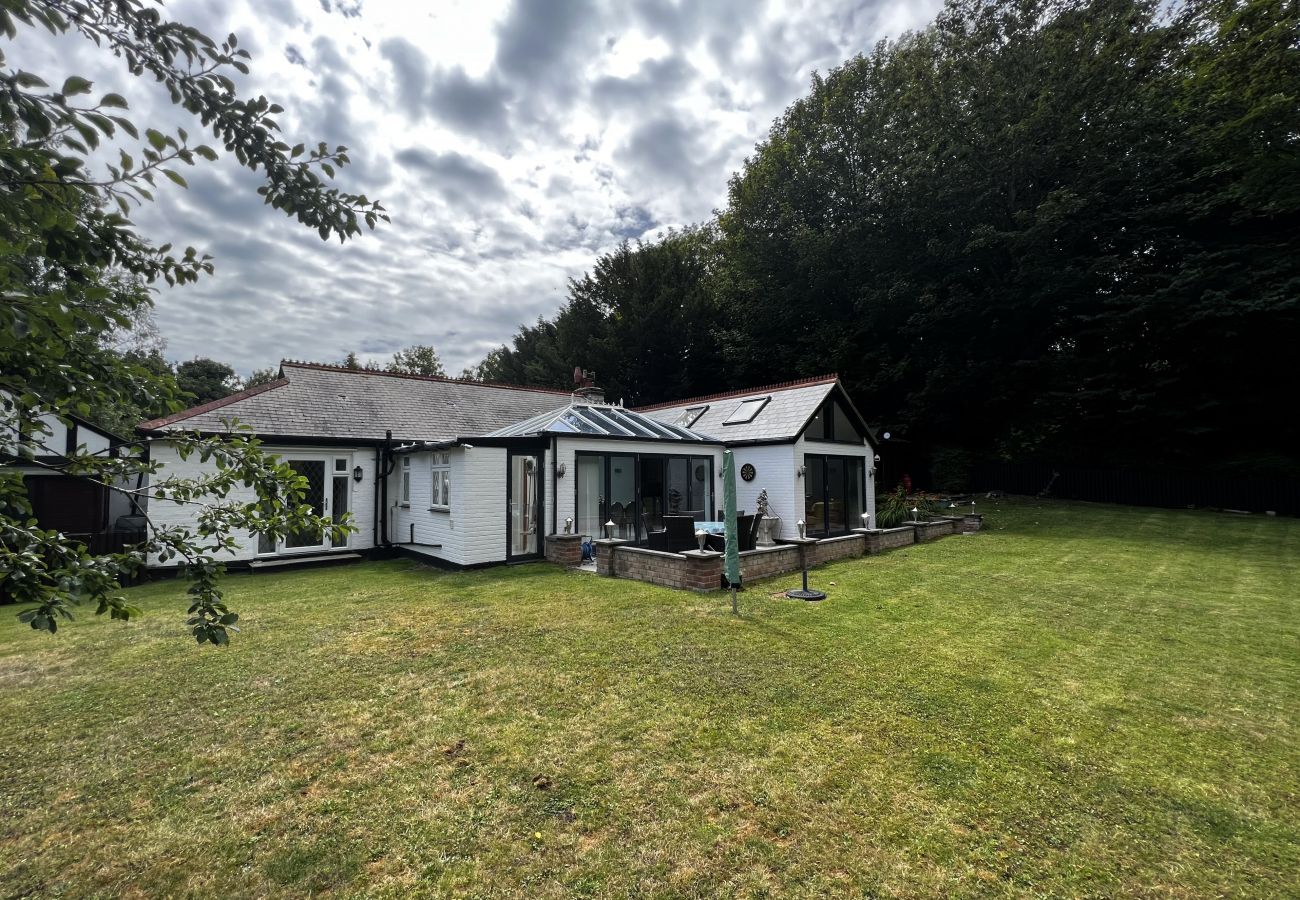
[697, 570]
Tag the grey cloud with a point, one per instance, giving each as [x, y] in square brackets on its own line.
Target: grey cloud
[294, 55]
[410, 72]
[654, 83]
[462, 180]
[633, 222]
[474, 106]
[665, 148]
[349, 9]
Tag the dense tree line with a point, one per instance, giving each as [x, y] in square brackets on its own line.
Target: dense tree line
[1036, 228]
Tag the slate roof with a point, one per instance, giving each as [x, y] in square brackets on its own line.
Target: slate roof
[600, 420]
[310, 400]
[790, 407]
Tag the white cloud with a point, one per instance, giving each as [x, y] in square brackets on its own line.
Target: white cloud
[513, 143]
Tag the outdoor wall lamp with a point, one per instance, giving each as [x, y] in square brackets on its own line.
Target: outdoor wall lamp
[559, 471]
[357, 473]
[876, 459]
[801, 470]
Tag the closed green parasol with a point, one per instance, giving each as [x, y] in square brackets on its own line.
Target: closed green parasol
[731, 562]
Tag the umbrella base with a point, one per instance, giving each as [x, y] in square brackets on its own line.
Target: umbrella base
[805, 595]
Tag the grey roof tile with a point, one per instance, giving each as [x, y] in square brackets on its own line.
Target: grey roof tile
[333, 402]
[782, 418]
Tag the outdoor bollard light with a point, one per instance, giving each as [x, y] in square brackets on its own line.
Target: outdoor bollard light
[357, 473]
[916, 514]
[972, 507]
[866, 520]
[802, 527]
[568, 525]
[700, 536]
[609, 528]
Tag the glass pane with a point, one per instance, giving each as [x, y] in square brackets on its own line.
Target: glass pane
[853, 492]
[817, 427]
[702, 487]
[314, 471]
[591, 496]
[652, 494]
[265, 543]
[523, 505]
[339, 504]
[844, 428]
[835, 511]
[340, 465]
[745, 411]
[679, 485]
[622, 496]
[814, 496]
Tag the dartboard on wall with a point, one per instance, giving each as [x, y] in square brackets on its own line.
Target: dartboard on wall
[747, 472]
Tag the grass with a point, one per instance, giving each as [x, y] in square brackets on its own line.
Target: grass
[1079, 700]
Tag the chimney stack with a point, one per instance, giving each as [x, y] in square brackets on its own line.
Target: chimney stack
[584, 386]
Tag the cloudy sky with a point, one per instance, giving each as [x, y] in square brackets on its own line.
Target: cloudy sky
[512, 142]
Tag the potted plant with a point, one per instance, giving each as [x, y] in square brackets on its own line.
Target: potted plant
[769, 526]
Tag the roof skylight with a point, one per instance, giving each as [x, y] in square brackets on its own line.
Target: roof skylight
[746, 411]
[690, 416]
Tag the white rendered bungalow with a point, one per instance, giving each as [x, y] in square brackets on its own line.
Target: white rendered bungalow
[467, 474]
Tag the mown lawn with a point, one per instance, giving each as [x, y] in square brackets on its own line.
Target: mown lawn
[1079, 700]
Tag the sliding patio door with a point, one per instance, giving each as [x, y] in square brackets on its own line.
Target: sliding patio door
[833, 494]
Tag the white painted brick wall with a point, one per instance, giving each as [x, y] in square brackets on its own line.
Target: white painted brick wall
[165, 513]
[474, 530]
[774, 469]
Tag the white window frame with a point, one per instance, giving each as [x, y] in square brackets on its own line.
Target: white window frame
[440, 482]
[406, 480]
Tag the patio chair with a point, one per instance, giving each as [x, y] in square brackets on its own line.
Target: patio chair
[722, 514]
[678, 535]
[651, 532]
[746, 531]
[695, 515]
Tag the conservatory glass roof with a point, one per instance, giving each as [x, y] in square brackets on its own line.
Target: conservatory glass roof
[599, 421]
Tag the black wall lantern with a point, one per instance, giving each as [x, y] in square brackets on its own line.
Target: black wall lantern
[357, 473]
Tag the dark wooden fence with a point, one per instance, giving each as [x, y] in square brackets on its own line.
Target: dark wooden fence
[1138, 488]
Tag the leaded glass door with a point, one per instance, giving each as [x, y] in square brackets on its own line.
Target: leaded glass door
[314, 471]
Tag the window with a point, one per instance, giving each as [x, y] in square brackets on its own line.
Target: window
[832, 423]
[341, 465]
[690, 416]
[441, 491]
[406, 479]
[746, 411]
